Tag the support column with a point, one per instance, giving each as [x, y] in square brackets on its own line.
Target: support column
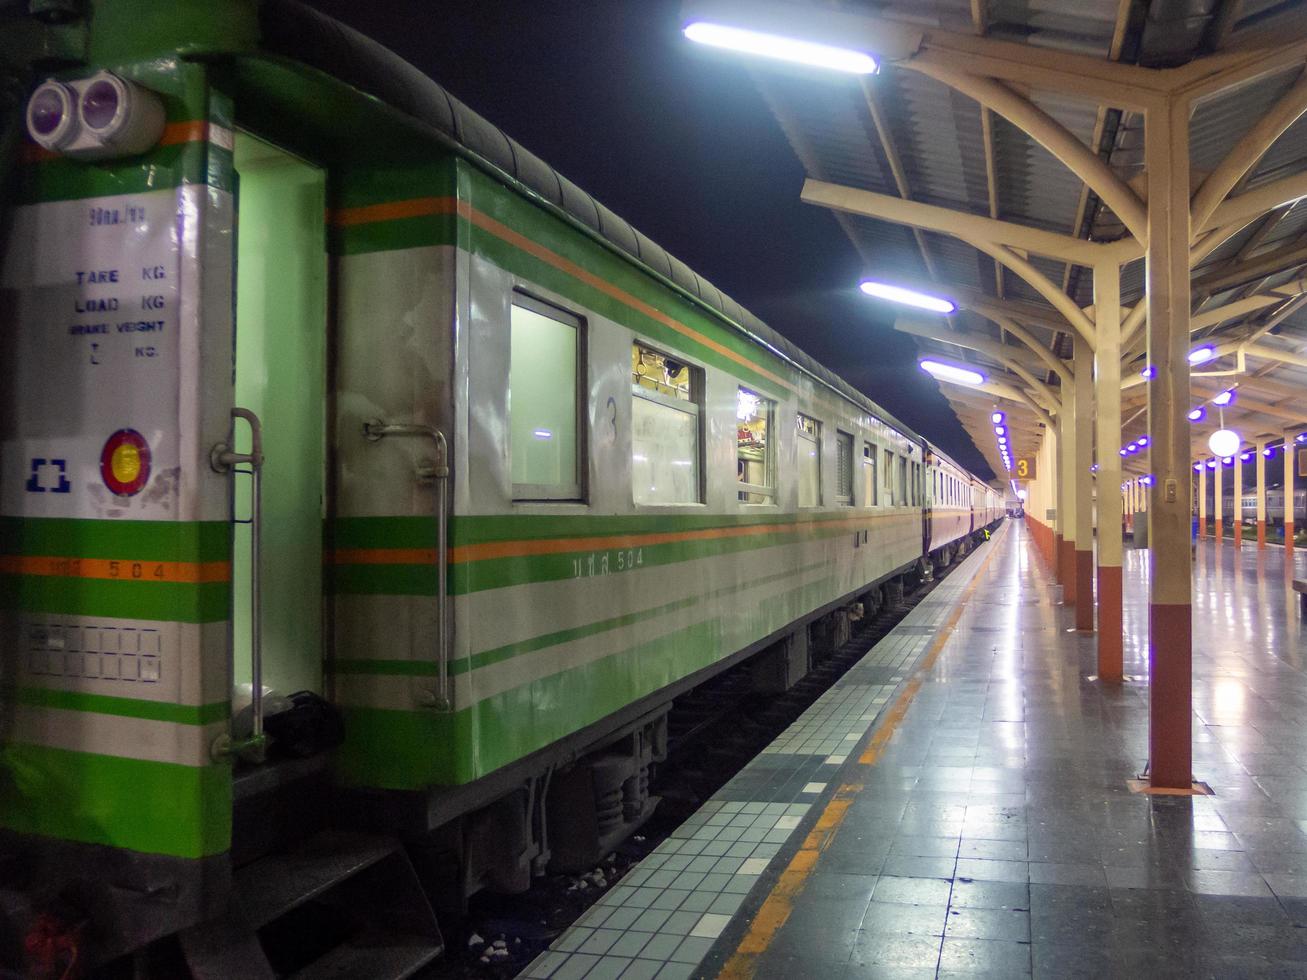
[1218, 502]
[1059, 499]
[1107, 419]
[1290, 472]
[1070, 501]
[1084, 484]
[1236, 502]
[1261, 497]
[1170, 619]
[1202, 498]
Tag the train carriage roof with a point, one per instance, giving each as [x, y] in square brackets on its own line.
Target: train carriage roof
[293, 30]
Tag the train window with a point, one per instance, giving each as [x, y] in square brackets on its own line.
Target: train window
[868, 475]
[546, 435]
[888, 470]
[843, 468]
[665, 428]
[901, 489]
[755, 470]
[809, 430]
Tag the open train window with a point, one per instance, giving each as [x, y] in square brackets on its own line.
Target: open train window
[869, 488]
[546, 434]
[888, 470]
[667, 395]
[755, 468]
[809, 430]
[843, 469]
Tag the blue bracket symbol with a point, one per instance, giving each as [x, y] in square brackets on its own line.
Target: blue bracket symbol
[34, 481]
[34, 484]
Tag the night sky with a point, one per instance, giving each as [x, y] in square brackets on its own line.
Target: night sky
[678, 141]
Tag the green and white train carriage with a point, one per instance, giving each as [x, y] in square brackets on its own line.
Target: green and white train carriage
[520, 477]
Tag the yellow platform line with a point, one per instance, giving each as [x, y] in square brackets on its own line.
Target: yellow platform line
[779, 903]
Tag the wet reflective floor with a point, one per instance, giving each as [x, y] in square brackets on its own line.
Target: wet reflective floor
[994, 833]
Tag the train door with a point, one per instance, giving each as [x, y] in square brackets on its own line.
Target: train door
[280, 381]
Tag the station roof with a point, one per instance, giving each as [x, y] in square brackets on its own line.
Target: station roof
[905, 134]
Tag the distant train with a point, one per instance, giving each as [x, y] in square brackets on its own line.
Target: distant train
[473, 476]
[1274, 505]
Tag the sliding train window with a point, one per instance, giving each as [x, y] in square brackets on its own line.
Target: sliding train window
[868, 475]
[546, 431]
[666, 405]
[755, 453]
[888, 470]
[843, 469]
[809, 430]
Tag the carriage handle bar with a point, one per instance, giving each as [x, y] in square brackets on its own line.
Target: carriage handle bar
[375, 430]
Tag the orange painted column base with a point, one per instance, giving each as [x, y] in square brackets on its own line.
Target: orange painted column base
[1288, 540]
[1202, 527]
[1085, 591]
[1170, 695]
[1238, 534]
[1261, 535]
[1110, 632]
[1068, 559]
[1059, 572]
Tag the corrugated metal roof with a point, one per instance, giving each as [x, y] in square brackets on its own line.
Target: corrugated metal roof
[938, 135]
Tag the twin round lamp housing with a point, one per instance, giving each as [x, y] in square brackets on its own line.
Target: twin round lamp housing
[95, 118]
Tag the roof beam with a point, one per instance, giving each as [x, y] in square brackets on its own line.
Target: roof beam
[1252, 204]
[1054, 137]
[946, 221]
[1294, 254]
[1060, 301]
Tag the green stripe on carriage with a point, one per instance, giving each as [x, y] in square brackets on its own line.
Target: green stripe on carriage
[396, 749]
[421, 668]
[186, 541]
[102, 704]
[185, 602]
[152, 807]
[495, 573]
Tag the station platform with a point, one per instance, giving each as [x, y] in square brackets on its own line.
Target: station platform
[958, 804]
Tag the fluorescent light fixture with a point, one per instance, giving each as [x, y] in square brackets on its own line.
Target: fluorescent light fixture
[997, 418]
[1200, 355]
[1211, 464]
[1120, 452]
[1197, 414]
[1148, 372]
[1198, 467]
[781, 47]
[908, 297]
[1142, 440]
[951, 372]
[1132, 448]
[1147, 480]
[1001, 429]
[1246, 456]
[1302, 437]
[1268, 451]
[1093, 468]
[543, 434]
[1224, 398]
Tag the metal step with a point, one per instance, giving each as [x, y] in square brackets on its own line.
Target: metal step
[373, 954]
[272, 886]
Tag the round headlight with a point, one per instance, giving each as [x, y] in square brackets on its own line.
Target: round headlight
[102, 102]
[52, 116]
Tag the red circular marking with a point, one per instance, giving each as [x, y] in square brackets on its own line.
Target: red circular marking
[128, 439]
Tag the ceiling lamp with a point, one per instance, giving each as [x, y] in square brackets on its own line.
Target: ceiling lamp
[783, 48]
[1201, 355]
[951, 372]
[1224, 442]
[908, 297]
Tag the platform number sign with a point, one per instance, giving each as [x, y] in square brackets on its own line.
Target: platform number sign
[1023, 468]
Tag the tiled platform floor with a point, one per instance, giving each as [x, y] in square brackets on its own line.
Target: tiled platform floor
[995, 834]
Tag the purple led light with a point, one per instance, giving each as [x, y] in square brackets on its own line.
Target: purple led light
[47, 111]
[100, 104]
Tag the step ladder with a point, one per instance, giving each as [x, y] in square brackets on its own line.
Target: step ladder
[363, 885]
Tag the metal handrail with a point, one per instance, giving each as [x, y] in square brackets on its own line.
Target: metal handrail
[375, 430]
[224, 459]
